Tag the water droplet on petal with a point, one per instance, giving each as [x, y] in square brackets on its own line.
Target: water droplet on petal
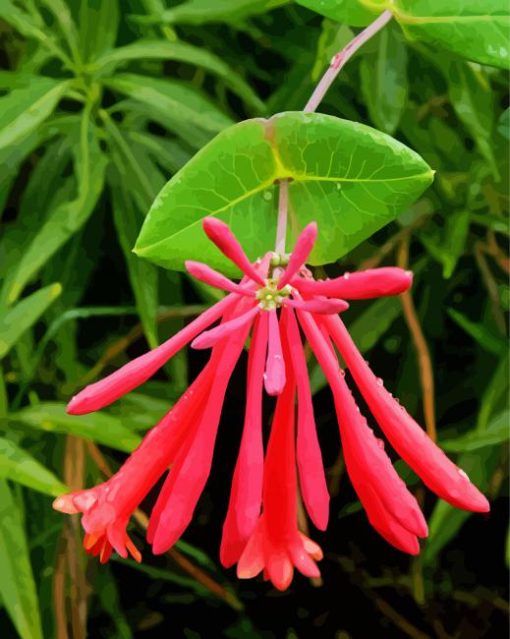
[347, 276]
[463, 473]
[380, 382]
[264, 376]
[380, 443]
[342, 372]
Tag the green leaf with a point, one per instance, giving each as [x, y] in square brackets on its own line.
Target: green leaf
[384, 79]
[18, 465]
[17, 586]
[96, 427]
[31, 100]
[142, 275]
[447, 243]
[353, 12]
[67, 218]
[204, 11]
[348, 177]
[504, 124]
[177, 101]
[498, 432]
[477, 31]
[181, 52]
[487, 340]
[15, 321]
[472, 98]
[98, 25]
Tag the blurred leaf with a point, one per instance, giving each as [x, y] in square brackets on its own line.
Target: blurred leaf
[18, 319]
[446, 521]
[353, 189]
[472, 99]
[106, 588]
[477, 31]
[495, 394]
[96, 427]
[447, 244]
[384, 79]
[30, 101]
[504, 123]
[142, 275]
[98, 24]
[67, 218]
[181, 52]
[17, 586]
[177, 101]
[203, 11]
[498, 432]
[18, 465]
[487, 340]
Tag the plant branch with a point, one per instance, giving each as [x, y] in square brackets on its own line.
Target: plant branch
[420, 343]
[340, 59]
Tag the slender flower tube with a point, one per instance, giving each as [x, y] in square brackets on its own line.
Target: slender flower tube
[246, 492]
[411, 442]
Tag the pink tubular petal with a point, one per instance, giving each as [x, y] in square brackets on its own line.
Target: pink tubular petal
[309, 458]
[302, 560]
[139, 370]
[206, 274]
[187, 479]
[219, 233]
[214, 335]
[246, 493]
[385, 524]
[409, 440]
[274, 379]
[377, 282]
[302, 250]
[366, 461]
[251, 562]
[280, 570]
[322, 306]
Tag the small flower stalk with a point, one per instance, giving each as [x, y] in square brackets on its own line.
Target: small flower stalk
[275, 305]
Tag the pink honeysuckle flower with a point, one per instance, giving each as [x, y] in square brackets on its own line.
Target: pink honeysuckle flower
[260, 532]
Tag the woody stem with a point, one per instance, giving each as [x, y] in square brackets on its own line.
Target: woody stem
[336, 65]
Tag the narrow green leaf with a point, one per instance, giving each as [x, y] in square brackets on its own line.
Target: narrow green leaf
[487, 340]
[18, 319]
[498, 432]
[30, 102]
[67, 218]
[181, 52]
[472, 98]
[98, 26]
[446, 242]
[348, 177]
[179, 102]
[496, 393]
[204, 11]
[97, 427]
[17, 585]
[142, 275]
[384, 79]
[475, 30]
[18, 465]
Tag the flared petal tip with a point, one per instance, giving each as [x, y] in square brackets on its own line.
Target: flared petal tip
[65, 504]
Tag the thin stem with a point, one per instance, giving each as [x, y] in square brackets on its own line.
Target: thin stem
[283, 207]
[342, 57]
[318, 94]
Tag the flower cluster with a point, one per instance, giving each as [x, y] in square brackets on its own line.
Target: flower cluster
[274, 304]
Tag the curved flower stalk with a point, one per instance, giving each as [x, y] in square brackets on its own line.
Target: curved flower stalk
[276, 295]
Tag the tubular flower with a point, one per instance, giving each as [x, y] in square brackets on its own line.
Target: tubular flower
[276, 297]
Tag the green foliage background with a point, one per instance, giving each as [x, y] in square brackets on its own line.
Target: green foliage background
[100, 103]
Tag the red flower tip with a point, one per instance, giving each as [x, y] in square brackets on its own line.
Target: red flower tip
[299, 255]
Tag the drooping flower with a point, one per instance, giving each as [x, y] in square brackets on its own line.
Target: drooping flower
[276, 295]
